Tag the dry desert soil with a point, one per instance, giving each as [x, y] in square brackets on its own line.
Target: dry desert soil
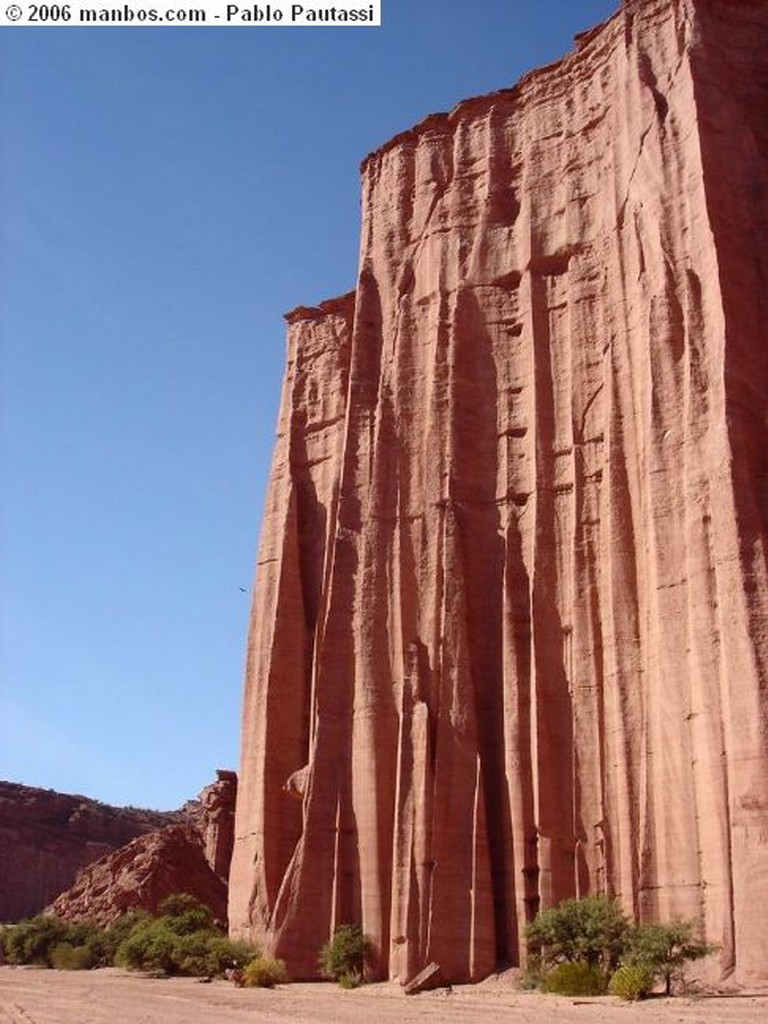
[29, 996]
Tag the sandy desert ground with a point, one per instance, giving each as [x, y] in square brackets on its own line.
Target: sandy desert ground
[29, 996]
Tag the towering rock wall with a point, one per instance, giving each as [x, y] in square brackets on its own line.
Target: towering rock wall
[510, 635]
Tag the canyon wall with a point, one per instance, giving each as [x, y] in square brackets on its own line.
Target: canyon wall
[509, 640]
[93, 861]
[140, 875]
[192, 855]
[46, 838]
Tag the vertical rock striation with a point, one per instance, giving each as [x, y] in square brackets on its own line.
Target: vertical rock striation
[510, 635]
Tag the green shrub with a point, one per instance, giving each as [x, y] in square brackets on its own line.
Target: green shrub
[66, 957]
[47, 941]
[530, 981]
[346, 953]
[120, 929]
[594, 930]
[185, 914]
[232, 954]
[150, 946]
[31, 941]
[351, 980]
[209, 954]
[632, 981]
[182, 942]
[665, 949]
[264, 973]
[197, 954]
[574, 978]
[100, 950]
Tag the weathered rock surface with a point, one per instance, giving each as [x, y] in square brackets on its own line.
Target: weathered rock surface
[47, 837]
[510, 633]
[215, 819]
[141, 875]
[191, 856]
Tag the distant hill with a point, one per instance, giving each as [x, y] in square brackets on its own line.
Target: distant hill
[46, 838]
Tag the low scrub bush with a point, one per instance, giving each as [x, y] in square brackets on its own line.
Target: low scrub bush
[665, 949]
[594, 930]
[120, 929]
[530, 981]
[66, 957]
[47, 941]
[576, 978]
[595, 933]
[632, 982]
[346, 954]
[31, 941]
[209, 954]
[351, 980]
[264, 973]
[235, 954]
[183, 940]
[185, 914]
[149, 947]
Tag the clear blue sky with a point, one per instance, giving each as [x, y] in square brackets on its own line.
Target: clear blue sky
[167, 194]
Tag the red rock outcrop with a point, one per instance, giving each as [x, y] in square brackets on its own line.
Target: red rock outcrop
[141, 875]
[510, 633]
[47, 837]
[216, 821]
[192, 856]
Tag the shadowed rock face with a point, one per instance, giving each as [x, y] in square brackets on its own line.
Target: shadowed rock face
[509, 641]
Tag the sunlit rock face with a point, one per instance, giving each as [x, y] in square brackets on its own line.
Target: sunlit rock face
[190, 855]
[509, 640]
[48, 838]
[141, 875]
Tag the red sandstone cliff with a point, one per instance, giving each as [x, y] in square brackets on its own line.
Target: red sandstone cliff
[510, 634]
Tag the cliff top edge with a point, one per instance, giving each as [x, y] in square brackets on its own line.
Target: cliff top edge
[338, 304]
[477, 105]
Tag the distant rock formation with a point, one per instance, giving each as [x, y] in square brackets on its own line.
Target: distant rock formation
[192, 857]
[80, 857]
[509, 640]
[47, 837]
[141, 875]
